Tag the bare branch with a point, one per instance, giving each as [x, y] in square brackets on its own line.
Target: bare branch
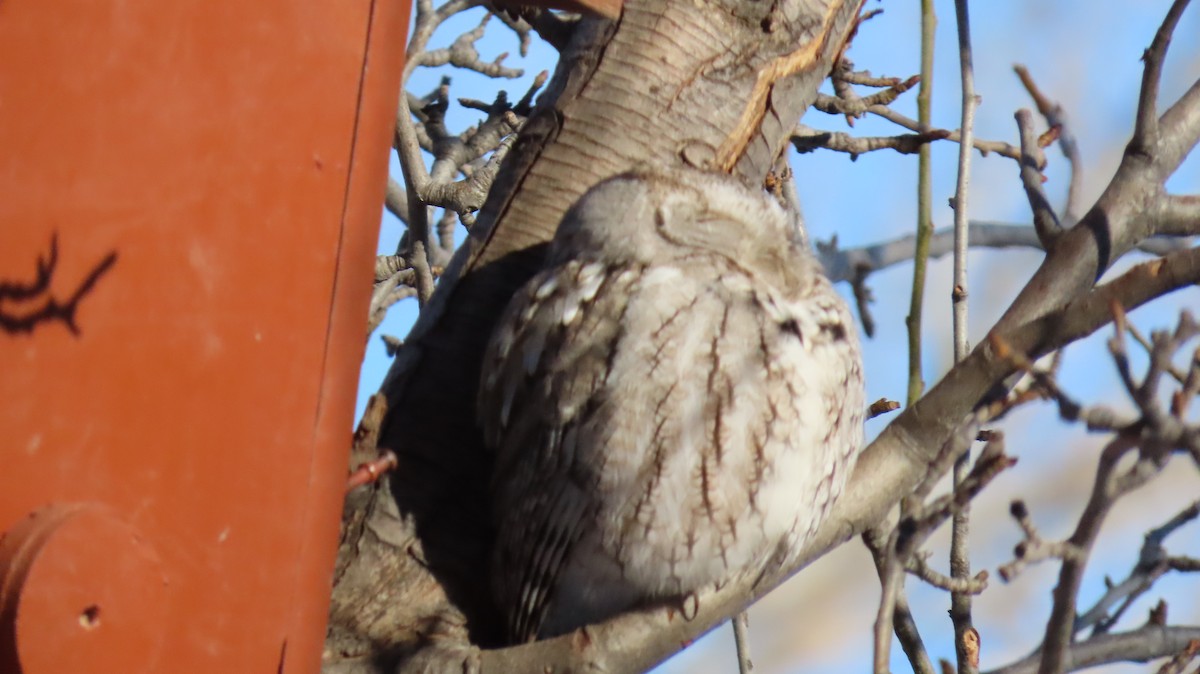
[960, 559]
[468, 195]
[462, 54]
[424, 270]
[1179, 130]
[844, 72]
[396, 200]
[388, 265]
[383, 297]
[919, 567]
[858, 106]
[897, 551]
[555, 29]
[1176, 664]
[1140, 645]
[894, 613]
[1141, 339]
[741, 625]
[1153, 562]
[391, 344]
[991, 462]
[1033, 548]
[806, 139]
[1184, 564]
[1179, 215]
[844, 265]
[962, 193]
[1156, 435]
[924, 219]
[983, 146]
[911, 643]
[882, 406]
[1056, 117]
[518, 19]
[1146, 131]
[1109, 486]
[863, 299]
[1045, 221]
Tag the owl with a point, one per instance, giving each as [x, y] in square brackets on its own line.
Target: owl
[676, 396]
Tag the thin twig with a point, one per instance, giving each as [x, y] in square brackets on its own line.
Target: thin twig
[1140, 645]
[916, 382]
[884, 617]
[896, 552]
[887, 549]
[960, 560]
[1033, 548]
[858, 105]
[919, 567]
[1109, 486]
[741, 624]
[1045, 221]
[887, 564]
[909, 636]
[985, 147]
[845, 265]
[396, 200]
[1145, 130]
[1056, 117]
[861, 77]
[806, 139]
[863, 297]
[1153, 563]
[881, 406]
[463, 54]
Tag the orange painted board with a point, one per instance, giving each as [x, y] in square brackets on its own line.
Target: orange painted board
[210, 173]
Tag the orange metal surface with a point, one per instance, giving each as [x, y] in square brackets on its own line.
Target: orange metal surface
[189, 199]
[75, 611]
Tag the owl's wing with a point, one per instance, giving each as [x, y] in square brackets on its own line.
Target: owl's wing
[542, 373]
[533, 551]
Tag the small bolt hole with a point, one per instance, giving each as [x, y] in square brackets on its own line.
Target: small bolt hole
[89, 619]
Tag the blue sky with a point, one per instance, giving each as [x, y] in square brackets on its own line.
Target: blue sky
[1084, 54]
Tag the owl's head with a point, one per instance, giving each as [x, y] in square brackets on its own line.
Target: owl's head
[653, 216]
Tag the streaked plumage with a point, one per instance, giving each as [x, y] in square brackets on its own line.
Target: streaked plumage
[677, 394]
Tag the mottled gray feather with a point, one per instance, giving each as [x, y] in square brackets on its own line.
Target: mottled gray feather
[675, 397]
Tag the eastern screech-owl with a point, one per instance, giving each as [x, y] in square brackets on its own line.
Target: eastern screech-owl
[675, 397]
